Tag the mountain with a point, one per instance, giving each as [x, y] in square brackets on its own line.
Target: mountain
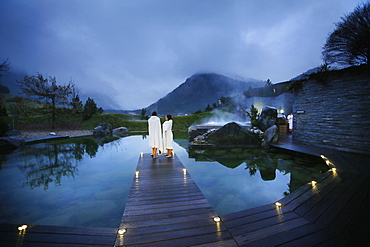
[198, 91]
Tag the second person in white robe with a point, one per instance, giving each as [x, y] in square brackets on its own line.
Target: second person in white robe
[168, 135]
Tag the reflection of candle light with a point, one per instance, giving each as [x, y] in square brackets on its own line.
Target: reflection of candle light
[121, 231]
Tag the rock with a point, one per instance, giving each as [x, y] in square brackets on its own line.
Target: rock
[121, 131]
[9, 144]
[271, 136]
[232, 134]
[103, 129]
[267, 118]
[12, 133]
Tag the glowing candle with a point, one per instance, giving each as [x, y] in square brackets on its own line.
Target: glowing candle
[217, 219]
[278, 204]
[121, 231]
[22, 227]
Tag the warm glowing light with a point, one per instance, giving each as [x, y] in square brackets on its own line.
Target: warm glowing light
[22, 227]
[278, 204]
[121, 231]
[137, 174]
[327, 161]
[217, 219]
[141, 154]
[184, 170]
[333, 169]
[313, 183]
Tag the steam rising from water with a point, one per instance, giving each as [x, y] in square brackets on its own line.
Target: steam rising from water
[220, 118]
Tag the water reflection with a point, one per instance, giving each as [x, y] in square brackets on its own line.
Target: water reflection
[302, 168]
[49, 162]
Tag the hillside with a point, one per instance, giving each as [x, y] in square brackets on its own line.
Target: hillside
[198, 91]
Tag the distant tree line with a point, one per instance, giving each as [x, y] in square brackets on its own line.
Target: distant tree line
[47, 91]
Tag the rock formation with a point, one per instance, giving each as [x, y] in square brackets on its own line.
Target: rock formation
[267, 118]
[103, 129]
[232, 134]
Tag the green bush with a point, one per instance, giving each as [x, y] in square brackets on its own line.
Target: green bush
[4, 125]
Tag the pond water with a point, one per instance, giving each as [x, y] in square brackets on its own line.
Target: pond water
[86, 181]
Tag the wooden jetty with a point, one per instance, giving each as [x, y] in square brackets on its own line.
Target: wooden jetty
[166, 208]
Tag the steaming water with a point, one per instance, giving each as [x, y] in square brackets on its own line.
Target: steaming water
[222, 123]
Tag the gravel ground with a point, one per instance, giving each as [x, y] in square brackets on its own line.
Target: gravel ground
[25, 134]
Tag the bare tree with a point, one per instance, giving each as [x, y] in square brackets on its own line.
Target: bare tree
[38, 87]
[349, 43]
[4, 66]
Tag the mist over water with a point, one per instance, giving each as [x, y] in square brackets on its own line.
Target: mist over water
[220, 118]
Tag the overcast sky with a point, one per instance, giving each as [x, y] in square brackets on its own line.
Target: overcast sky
[136, 51]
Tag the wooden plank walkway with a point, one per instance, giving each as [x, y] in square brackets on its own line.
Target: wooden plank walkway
[166, 208]
[330, 213]
[50, 236]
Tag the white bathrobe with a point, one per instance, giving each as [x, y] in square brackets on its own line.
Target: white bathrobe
[155, 132]
[167, 134]
[290, 121]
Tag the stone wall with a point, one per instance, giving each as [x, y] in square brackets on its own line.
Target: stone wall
[334, 111]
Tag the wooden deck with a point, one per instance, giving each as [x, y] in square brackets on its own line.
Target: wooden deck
[163, 210]
[166, 208]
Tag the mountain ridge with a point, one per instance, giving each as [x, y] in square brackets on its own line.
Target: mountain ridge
[199, 90]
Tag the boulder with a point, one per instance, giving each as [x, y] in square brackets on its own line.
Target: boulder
[12, 133]
[9, 144]
[121, 131]
[271, 135]
[267, 118]
[103, 129]
[232, 134]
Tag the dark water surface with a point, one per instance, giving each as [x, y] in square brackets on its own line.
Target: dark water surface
[86, 181]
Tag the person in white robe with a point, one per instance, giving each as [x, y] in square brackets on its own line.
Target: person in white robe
[155, 134]
[168, 136]
[290, 122]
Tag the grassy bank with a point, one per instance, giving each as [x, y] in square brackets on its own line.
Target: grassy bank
[67, 120]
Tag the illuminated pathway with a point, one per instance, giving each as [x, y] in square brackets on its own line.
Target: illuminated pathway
[166, 208]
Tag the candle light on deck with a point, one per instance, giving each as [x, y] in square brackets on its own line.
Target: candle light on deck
[121, 231]
[137, 174]
[278, 204]
[313, 183]
[22, 227]
[217, 219]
